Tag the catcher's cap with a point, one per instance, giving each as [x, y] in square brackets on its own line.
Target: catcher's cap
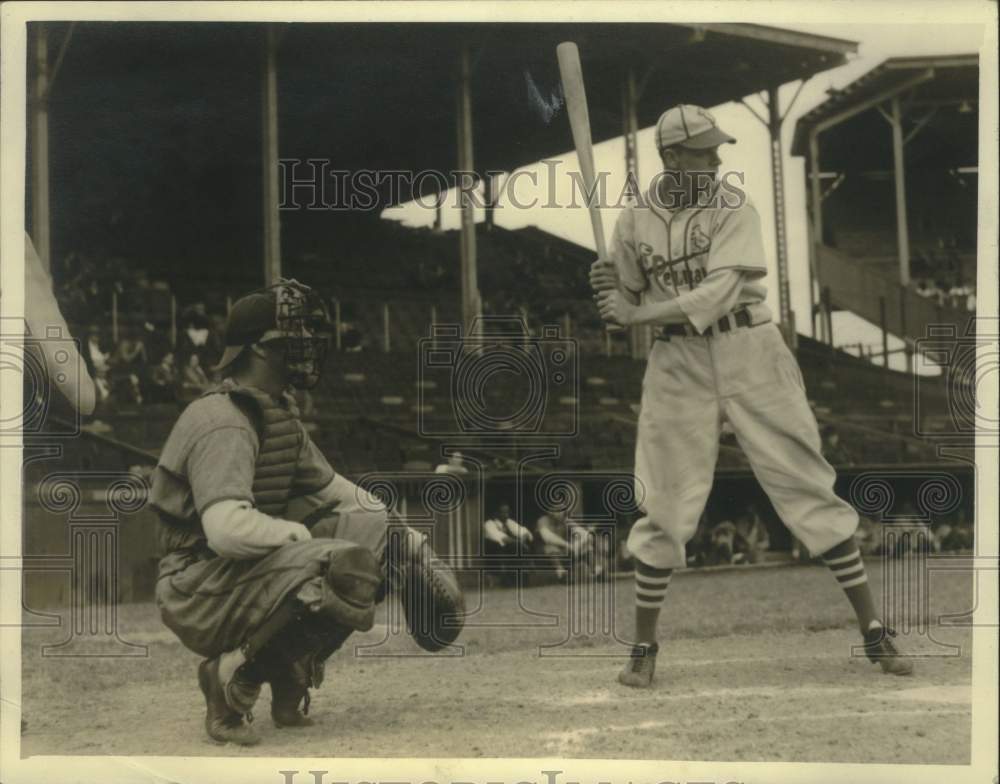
[689, 126]
[286, 310]
[249, 321]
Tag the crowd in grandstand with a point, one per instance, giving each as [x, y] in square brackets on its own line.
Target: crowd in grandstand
[136, 347]
[555, 544]
[142, 347]
[938, 276]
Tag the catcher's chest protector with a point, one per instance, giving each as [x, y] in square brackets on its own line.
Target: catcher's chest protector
[280, 444]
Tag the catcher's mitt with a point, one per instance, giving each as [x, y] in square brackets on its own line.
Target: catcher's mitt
[431, 597]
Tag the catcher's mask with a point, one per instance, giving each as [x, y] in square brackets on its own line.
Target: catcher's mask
[289, 316]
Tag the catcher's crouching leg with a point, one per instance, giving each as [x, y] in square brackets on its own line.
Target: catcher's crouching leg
[290, 647]
[432, 600]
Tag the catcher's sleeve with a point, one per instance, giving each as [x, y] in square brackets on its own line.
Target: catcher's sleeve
[236, 530]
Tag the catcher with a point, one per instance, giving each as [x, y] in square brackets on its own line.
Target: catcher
[272, 559]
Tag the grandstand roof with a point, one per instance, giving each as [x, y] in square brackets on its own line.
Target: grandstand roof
[383, 95]
[155, 128]
[515, 88]
[947, 85]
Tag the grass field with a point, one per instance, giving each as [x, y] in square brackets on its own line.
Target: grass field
[756, 665]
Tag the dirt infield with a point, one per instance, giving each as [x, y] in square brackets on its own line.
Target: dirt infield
[756, 666]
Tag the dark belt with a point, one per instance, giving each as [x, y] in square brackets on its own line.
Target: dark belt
[739, 318]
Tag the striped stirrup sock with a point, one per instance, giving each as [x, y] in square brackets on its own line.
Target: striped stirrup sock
[848, 568]
[651, 585]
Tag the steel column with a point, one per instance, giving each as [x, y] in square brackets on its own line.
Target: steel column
[816, 227]
[898, 163]
[269, 160]
[778, 184]
[470, 284]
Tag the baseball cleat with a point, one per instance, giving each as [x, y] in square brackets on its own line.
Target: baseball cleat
[290, 689]
[222, 723]
[639, 669]
[880, 649]
[286, 696]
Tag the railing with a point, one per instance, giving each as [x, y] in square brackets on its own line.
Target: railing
[899, 310]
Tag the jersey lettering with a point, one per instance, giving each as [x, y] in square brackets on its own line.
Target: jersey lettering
[675, 265]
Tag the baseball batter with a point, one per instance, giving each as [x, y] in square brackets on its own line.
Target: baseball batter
[689, 259]
[272, 559]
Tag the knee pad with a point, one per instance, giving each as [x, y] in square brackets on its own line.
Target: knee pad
[349, 587]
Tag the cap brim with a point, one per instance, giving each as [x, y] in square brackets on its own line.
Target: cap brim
[713, 137]
[228, 356]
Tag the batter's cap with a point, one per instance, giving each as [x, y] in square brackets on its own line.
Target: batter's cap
[250, 318]
[689, 126]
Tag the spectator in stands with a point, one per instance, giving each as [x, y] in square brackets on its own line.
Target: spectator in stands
[98, 365]
[454, 465]
[194, 380]
[752, 539]
[832, 448]
[924, 289]
[962, 296]
[157, 342]
[163, 381]
[95, 358]
[941, 289]
[554, 537]
[597, 551]
[216, 337]
[505, 537]
[722, 544]
[129, 366]
[698, 547]
[197, 337]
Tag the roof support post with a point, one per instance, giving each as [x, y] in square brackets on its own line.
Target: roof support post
[269, 159]
[640, 337]
[815, 225]
[467, 247]
[40, 208]
[902, 229]
[774, 124]
[490, 194]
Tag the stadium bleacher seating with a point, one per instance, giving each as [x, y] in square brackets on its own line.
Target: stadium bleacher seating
[372, 404]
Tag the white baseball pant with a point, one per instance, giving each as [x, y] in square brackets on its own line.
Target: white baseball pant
[749, 377]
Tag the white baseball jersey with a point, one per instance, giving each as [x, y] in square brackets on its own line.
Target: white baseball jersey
[663, 254]
[745, 375]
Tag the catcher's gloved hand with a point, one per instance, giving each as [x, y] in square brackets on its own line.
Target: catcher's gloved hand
[431, 597]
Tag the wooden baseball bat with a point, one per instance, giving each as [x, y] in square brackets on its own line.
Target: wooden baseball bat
[579, 121]
[571, 73]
